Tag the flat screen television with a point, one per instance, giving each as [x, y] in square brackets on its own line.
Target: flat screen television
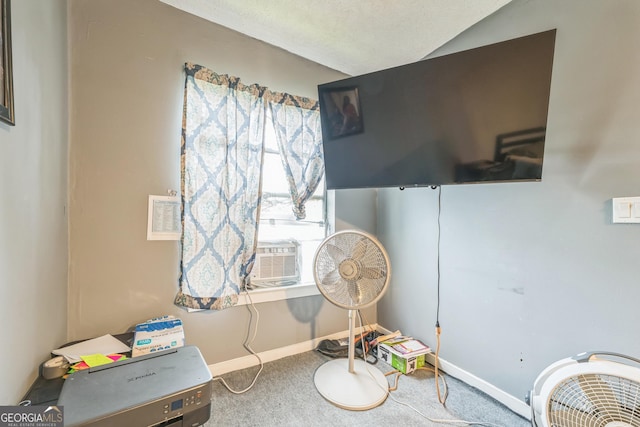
[479, 115]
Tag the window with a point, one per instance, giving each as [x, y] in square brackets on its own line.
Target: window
[236, 193]
[279, 230]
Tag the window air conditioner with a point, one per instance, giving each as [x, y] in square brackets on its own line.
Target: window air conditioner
[276, 262]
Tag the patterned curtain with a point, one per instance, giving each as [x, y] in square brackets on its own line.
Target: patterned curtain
[221, 162]
[297, 124]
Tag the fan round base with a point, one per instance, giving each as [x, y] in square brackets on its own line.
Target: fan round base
[362, 389]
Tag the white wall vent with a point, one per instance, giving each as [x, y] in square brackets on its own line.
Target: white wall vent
[276, 262]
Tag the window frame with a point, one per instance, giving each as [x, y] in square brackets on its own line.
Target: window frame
[299, 290]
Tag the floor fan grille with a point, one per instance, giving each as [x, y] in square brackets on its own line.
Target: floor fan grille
[594, 400]
[595, 389]
[351, 270]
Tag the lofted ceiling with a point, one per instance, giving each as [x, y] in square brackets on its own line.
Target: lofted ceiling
[351, 36]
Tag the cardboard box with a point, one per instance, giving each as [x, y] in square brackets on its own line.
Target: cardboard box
[403, 353]
[162, 333]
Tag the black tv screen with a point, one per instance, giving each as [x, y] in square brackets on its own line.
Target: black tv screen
[478, 115]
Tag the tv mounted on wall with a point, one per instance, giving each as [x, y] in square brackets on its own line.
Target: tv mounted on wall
[474, 116]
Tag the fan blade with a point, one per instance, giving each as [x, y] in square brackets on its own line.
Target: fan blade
[373, 273]
[601, 397]
[331, 279]
[354, 292]
[335, 253]
[359, 249]
[565, 418]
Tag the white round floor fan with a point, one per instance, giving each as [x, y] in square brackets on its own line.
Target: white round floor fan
[352, 271]
[596, 389]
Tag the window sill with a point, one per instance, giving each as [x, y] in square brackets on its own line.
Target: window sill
[277, 294]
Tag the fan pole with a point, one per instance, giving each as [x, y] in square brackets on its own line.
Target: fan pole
[352, 344]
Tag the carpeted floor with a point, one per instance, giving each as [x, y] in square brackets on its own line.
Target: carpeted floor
[285, 395]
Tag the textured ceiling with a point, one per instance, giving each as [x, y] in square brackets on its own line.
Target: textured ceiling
[352, 36]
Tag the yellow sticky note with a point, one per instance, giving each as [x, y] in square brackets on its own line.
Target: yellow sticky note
[96, 360]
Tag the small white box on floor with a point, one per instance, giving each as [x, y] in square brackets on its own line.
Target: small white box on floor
[403, 353]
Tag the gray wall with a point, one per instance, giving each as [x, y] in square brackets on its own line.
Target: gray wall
[33, 197]
[534, 272]
[127, 79]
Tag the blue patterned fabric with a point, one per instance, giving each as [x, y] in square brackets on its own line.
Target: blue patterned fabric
[221, 166]
[297, 124]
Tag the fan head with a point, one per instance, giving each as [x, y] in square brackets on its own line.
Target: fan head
[588, 392]
[351, 269]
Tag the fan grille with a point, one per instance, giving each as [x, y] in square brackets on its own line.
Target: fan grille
[351, 269]
[595, 400]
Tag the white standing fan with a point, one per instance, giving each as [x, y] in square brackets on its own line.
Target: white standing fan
[597, 389]
[352, 271]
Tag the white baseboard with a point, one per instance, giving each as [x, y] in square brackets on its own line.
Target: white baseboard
[221, 368]
[511, 402]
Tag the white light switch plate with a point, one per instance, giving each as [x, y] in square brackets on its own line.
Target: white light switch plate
[626, 209]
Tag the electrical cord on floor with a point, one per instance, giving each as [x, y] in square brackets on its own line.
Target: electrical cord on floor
[444, 420]
[394, 387]
[442, 397]
[247, 345]
[398, 374]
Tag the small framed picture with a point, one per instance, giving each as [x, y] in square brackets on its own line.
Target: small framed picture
[341, 112]
[6, 67]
